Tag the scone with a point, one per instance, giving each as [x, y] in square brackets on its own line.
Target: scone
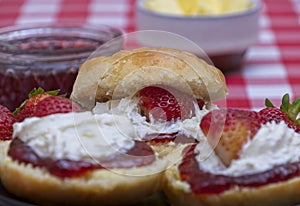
[249, 158]
[163, 91]
[80, 159]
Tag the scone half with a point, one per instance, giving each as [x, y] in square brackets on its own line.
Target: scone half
[105, 187]
[89, 162]
[281, 193]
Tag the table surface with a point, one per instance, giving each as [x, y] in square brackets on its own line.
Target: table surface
[272, 65]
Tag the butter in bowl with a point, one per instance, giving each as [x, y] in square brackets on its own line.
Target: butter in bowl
[224, 29]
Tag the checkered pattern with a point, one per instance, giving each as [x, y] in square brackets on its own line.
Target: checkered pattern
[117, 13]
[272, 66]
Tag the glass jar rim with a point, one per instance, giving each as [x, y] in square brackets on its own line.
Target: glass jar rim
[99, 33]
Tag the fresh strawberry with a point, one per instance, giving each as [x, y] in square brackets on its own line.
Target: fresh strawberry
[269, 114]
[165, 104]
[7, 119]
[288, 112]
[27, 108]
[227, 130]
[55, 104]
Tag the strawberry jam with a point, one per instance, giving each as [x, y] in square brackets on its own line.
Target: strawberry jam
[48, 56]
[140, 155]
[163, 138]
[203, 182]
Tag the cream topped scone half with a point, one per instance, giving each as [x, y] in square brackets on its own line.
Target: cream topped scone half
[255, 161]
[80, 159]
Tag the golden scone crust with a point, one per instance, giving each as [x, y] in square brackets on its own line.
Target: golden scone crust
[100, 187]
[277, 194]
[123, 74]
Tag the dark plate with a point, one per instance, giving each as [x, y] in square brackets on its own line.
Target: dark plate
[7, 199]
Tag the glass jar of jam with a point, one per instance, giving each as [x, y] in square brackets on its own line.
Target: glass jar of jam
[47, 56]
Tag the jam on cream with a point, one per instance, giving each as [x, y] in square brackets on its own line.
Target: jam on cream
[77, 136]
[274, 144]
[128, 107]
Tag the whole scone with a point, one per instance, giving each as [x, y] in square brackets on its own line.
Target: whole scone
[104, 78]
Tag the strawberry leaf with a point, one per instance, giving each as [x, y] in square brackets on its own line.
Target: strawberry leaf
[294, 111]
[18, 109]
[291, 109]
[268, 103]
[40, 90]
[35, 92]
[298, 122]
[285, 104]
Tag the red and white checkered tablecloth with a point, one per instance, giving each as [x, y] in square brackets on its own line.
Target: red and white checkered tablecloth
[272, 66]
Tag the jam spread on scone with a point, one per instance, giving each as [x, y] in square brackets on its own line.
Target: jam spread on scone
[245, 149]
[140, 155]
[164, 138]
[203, 182]
[81, 142]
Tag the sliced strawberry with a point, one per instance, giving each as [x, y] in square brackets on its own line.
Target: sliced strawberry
[227, 130]
[7, 119]
[288, 112]
[55, 104]
[165, 104]
[27, 108]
